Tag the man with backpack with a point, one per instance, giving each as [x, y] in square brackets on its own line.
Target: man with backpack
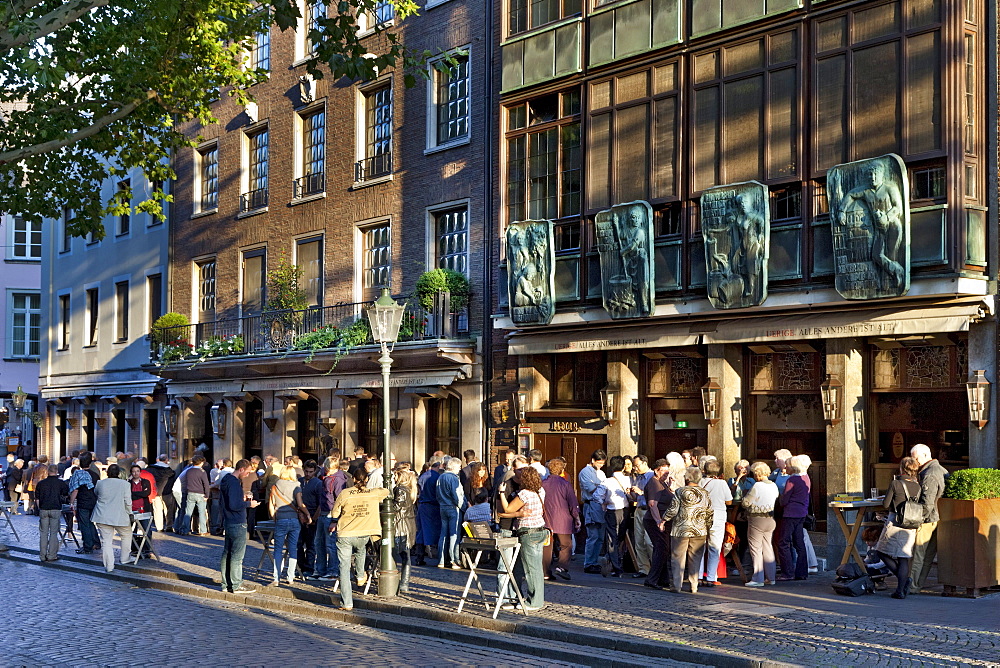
[83, 499]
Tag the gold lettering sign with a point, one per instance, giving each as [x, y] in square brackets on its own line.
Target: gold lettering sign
[565, 426]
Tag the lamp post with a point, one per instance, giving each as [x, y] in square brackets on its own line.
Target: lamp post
[385, 316]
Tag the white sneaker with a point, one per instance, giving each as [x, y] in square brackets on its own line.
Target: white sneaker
[753, 583]
[814, 569]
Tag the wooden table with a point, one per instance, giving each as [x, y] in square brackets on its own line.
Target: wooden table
[851, 530]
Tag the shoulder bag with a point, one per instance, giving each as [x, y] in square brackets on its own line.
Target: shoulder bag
[303, 514]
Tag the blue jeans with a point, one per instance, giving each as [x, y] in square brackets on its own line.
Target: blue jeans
[87, 528]
[194, 500]
[286, 532]
[448, 542]
[529, 563]
[326, 548]
[233, 549]
[346, 548]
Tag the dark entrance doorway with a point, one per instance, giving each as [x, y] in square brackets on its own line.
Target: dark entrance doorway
[151, 433]
[252, 418]
[307, 440]
[576, 449]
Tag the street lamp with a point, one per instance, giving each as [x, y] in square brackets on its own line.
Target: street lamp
[385, 317]
[710, 399]
[609, 404]
[978, 391]
[19, 398]
[831, 391]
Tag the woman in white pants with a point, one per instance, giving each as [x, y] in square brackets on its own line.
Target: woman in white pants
[113, 514]
[759, 505]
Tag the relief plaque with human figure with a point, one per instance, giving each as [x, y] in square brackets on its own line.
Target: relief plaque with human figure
[531, 272]
[870, 221]
[736, 228]
[624, 242]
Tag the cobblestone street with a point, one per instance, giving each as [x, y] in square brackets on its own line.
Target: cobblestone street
[796, 623]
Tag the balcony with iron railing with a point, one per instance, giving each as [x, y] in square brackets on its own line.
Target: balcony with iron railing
[373, 167]
[253, 200]
[313, 330]
[310, 184]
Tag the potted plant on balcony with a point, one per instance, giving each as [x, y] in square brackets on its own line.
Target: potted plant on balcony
[437, 280]
[286, 302]
[968, 533]
[169, 337]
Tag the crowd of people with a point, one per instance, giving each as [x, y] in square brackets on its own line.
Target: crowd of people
[673, 521]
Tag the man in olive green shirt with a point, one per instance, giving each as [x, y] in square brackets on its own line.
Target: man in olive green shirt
[355, 518]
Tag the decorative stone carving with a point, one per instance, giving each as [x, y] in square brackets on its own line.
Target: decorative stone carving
[625, 242]
[736, 227]
[870, 221]
[531, 272]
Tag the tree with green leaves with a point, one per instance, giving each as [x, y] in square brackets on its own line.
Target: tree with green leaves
[93, 89]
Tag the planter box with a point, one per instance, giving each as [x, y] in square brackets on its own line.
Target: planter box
[968, 538]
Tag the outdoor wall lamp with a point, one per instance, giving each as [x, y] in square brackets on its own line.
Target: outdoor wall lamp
[978, 391]
[218, 412]
[609, 404]
[521, 404]
[832, 391]
[170, 419]
[711, 393]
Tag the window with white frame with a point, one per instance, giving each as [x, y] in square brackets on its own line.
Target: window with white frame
[26, 239]
[317, 12]
[154, 299]
[377, 160]
[382, 16]
[25, 324]
[208, 178]
[124, 223]
[255, 196]
[451, 230]
[313, 157]
[377, 260]
[309, 258]
[205, 277]
[64, 319]
[93, 316]
[450, 91]
[121, 311]
[154, 186]
[66, 239]
[260, 52]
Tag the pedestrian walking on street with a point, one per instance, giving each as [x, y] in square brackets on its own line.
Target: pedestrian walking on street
[758, 504]
[195, 489]
[451, 500]
[591, 477]
[83, 499]
[691, 513]
[113, 514]
[285, 502]
[931, 477]
[234, 503]
[531, 533]
[13, 483]
[355, 517]
[51, 493]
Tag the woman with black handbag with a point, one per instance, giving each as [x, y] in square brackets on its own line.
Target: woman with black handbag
[895, 545]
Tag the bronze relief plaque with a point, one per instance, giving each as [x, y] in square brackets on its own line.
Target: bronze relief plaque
[625, 243]
[736, 227]
[531, 272]
[870, 222]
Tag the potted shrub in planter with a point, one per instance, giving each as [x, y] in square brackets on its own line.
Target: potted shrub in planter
[968, 534]
[169, 336]
[437, 281]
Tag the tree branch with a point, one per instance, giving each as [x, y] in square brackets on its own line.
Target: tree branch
[55, 20]
[89, 131]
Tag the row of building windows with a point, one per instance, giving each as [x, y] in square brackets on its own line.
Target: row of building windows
[449, 124]
[92, 312]
[451, 246]
[122, 223]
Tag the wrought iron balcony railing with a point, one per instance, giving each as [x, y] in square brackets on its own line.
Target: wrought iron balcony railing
[254, 199]
[373, 167]
[310, 184]
[312, 329]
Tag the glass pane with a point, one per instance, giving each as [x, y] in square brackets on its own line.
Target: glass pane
[631, 154]
[875, 22]
[599, 161]
[567, 278]
[923, 94]
[744, 57]
[664, 147]
[668, 266]
[831, 77]
[785, 259]
[782, 123]
[744, 130]
[876, 100]
[831, 34]
[822, 251]
[706, 137]
[782, 47]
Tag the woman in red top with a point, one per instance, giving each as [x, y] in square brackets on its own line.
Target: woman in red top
[141, 491]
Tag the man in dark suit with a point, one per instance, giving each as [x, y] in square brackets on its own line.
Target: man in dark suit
[501, 470]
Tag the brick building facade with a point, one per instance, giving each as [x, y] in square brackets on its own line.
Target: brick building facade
[363, 186]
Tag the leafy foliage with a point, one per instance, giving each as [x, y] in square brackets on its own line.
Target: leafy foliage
[93, 89]
[434, 280]
[970, 484]
[283, 291]
[163, 332]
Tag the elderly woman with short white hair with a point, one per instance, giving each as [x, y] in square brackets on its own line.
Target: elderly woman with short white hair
[758, 504]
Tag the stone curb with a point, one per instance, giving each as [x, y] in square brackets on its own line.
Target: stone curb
[399, 618]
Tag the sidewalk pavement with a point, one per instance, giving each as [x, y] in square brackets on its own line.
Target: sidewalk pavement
[801, 623]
